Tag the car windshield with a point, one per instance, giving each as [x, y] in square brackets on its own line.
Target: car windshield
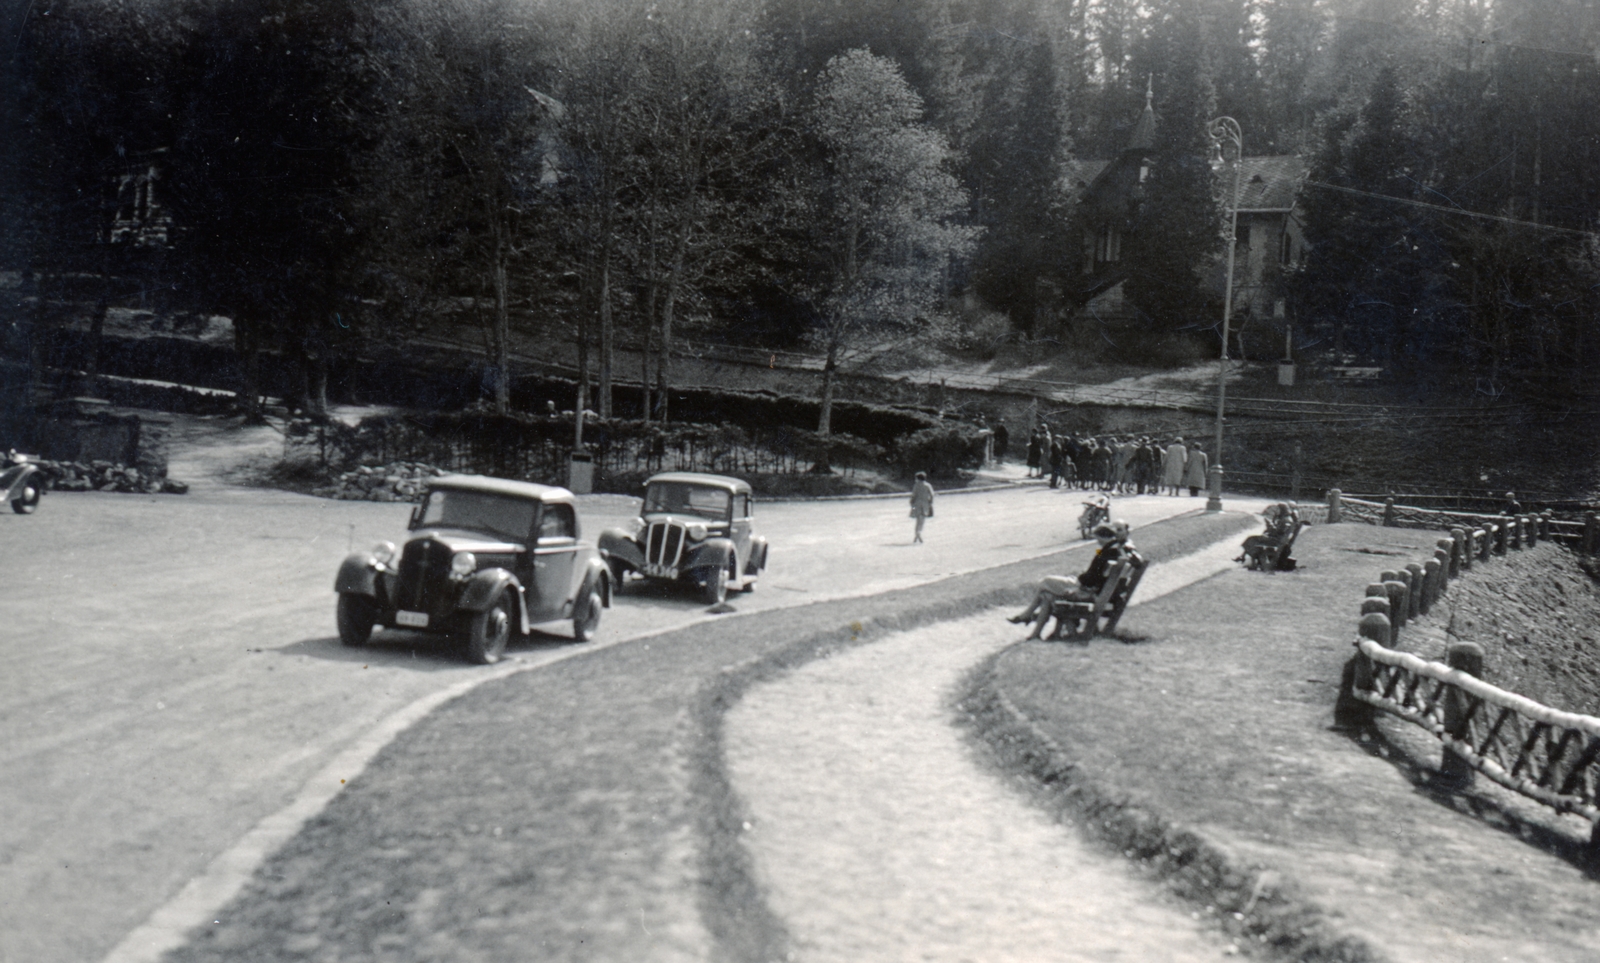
[681, 498]
[480, 511]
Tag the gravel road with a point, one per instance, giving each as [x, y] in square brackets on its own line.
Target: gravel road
[169, 679]
[879, 837]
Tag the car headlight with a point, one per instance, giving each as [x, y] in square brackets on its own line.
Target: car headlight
[697, 532]
[383, 553]
[463, 564]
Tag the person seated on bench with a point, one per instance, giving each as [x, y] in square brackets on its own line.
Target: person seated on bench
[1114, 546]
[1282, 521]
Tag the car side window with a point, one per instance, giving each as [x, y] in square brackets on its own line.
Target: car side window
[558, 521]
[742, 507]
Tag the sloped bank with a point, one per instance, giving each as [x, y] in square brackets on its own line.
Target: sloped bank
[1206, 753]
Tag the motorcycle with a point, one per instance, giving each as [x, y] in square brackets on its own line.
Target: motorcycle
[23, 482]
[1096, 510]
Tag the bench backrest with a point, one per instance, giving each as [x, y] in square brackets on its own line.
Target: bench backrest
[1124, 578]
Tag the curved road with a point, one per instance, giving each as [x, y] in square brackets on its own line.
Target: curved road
[169, 675]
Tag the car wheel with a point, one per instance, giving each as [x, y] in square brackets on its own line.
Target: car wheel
[357, 613]
[585, 626]
[25, 503]
[489, 631]
[715, 589]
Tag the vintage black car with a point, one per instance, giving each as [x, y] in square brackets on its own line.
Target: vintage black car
[695, 529]
[22, 481]
[487, 558]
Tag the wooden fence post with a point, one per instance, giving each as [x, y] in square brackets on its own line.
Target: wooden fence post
[1502, 534]
[1350, 713]
[1486, 545]
[1545, 518]
[1388, 513]
[1515, 539]
[1335, 506]
[1530, 530]
[1461, 552]
[1414, 603]
[1434, 579]
[1398, 604]
[1455, 771]
[1442, 556]
[1591, 532]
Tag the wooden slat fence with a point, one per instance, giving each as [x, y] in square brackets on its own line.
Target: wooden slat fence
[1543, 753]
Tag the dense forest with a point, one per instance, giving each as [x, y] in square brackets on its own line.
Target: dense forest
[817, 173]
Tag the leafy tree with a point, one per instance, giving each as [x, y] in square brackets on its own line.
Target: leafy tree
[275, 94]
[86, 120]
[464, 165]
[880, 208]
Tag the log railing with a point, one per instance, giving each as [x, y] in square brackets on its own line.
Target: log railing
[1579, 532]
[1543, 753]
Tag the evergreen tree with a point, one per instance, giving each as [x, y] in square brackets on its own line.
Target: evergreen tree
[1176, 233]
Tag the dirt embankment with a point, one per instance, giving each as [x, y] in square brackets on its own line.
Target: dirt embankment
[1537, 615]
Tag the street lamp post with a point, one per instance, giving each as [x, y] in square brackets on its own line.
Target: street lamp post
[1225, 129]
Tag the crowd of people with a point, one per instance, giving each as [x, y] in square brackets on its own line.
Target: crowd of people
[1125, 464]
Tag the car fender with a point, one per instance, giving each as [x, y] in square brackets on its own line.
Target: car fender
[21, 476]
[597, 576]
[485, 586]
[757, 562]
[358, 575]
[617, 543]
[711, 553]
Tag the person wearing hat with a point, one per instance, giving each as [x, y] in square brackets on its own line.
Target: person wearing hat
[1113, 538]
[921, 503]
[1282, 520]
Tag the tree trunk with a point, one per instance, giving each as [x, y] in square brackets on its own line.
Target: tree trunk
[502, 334]
[824, 421]
[668, 307]
[606, 334]
[247, 342]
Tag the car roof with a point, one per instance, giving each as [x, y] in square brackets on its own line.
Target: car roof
[502, 486]
[736, 485]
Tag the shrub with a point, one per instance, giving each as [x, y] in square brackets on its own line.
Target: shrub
[941, 450]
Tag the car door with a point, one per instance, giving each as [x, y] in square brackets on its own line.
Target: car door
[739, 530]
[555, 555]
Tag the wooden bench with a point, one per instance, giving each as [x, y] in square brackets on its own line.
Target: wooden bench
[1085, 618]
[1275, 558]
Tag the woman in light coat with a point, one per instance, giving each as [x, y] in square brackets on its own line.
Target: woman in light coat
[1172, 465]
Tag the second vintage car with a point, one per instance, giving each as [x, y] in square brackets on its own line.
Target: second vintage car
[486, 559]
[695, 529]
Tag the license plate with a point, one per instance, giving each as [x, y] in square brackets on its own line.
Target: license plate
[415, 620]
[660, 571]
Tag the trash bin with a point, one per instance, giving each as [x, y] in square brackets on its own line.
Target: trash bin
[580, 473]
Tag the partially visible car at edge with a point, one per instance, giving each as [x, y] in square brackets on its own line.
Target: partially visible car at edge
[486, 559]
[694, 529]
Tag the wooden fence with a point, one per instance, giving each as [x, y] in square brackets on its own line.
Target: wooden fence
[1543, 753]
[1578, 531]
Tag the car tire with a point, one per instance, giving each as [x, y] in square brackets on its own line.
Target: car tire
[586, 625]
[357, 614]
[25, 503]
[714, 591]
[489, 631]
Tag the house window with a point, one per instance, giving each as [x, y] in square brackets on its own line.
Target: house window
[1108, 245]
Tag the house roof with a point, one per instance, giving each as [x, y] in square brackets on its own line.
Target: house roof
[1266, 183]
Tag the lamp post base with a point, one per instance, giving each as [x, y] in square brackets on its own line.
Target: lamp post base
[1214, 495]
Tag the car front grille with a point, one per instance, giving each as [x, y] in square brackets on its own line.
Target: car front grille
[424, 568]
[664, 544]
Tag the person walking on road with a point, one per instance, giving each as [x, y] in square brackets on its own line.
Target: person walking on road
[1194, 475]
[1002, 438]
[921, 503]
[1033, 453]
[1172, 465]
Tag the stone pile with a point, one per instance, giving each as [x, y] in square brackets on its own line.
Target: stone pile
[401, 481]
[106, 476]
